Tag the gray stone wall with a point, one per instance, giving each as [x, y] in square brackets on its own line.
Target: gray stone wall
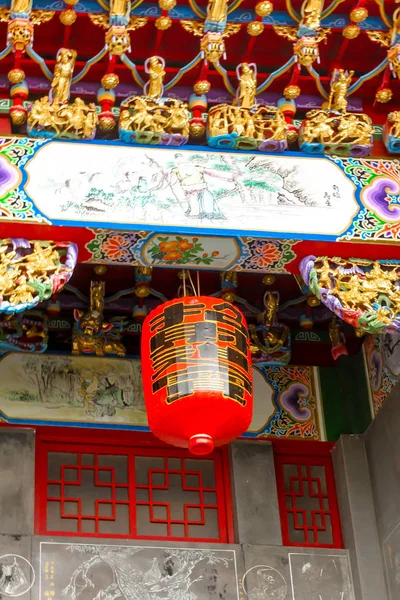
[257, 567]
[382, 442]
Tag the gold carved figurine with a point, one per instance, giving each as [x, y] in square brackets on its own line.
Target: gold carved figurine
[53, 116]
[334, 130]
[247, 86]
[120, 8]
[143, 120]
[63, 72]
[151, 118]
[366, 293]
[270, 341]
[391, 132]
[311, 11]
[155, 68]
[25, 277]
[247, 126]
[21, 6]
[394, 119]
[91, 332]
[217, 10]
[339, 89]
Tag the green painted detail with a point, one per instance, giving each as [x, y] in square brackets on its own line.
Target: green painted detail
[345, 398]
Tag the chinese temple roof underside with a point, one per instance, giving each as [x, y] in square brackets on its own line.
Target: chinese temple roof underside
[272, 51]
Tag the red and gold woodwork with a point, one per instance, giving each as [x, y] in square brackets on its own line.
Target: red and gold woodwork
[196, 369]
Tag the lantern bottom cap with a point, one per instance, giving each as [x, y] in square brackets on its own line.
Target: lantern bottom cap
[201, 444]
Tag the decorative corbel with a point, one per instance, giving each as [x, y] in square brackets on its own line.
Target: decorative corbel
[364, 293]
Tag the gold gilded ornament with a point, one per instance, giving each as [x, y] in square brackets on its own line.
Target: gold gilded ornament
[167, 4]
[359, 14]
[339, 89]
[311, 14]
[120, 8]
[273, 334]
[144, 114]
[255, 28]
[106, 122]
[264, 122]
[374, 292]
[155, 69]
[264, 9]
[71, 2]
[202, 87]
[57, 117]
[269, 279]
[384, 95]
[213, 46]
[292, 136]
[118, 40]
[291, 92]
[21, 6]
[394, 119]
[68, 17]
[23, 278]
[163, 23]
[217, 10]
[63, 72]
[109, 81]
[20, 34]
[306, 48]
[247, 86]
[16, 76]
[90, 334]
[18, 116]
[197, 130]
[350, 32]
[313, 301]
[142, 290]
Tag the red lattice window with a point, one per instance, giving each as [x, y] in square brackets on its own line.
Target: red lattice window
[307, 495]
[128, 490]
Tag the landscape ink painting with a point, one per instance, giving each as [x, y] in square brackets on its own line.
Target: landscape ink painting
[72, 388]
[190, 189]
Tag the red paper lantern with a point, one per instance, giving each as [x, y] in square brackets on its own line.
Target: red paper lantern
[196, 370]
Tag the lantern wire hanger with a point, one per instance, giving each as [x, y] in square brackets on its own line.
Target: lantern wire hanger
[184, 276]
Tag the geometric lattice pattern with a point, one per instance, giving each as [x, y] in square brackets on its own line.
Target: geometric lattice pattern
[180, 496]
[307, 501]
[93, 490]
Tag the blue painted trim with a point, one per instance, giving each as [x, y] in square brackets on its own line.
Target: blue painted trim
[75, 424]
[147, 9]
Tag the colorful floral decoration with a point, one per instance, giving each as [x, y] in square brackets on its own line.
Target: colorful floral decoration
[383, 366]
[142, 248]
[268, 255]
[113, 247]
[14, 203]
[364, 293]
[31, 272]
[180, 251]
[378, 183]
[295, 401]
